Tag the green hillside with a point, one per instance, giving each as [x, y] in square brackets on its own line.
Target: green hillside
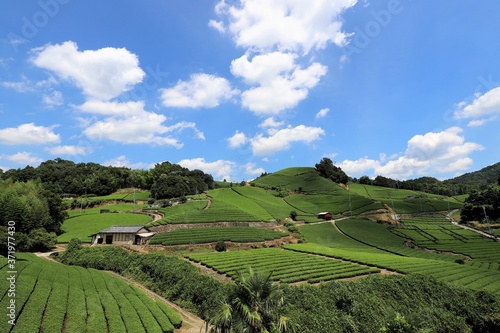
[485, 176]
[301, 179]
[406, 201]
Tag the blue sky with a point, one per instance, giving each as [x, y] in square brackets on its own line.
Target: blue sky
[397, 88]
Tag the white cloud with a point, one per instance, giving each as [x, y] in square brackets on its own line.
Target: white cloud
[202, 90]
[322, 113]
[102, 74]
[217, 25]
[431, 153]
[122, 161]
[68, 150]
[281, 139]
[20, 86]
[295, 25]
[53, 99]
[264, 68]
[29, 134]
[251, 169]
[483, 105]
[24, 158]
[129, 123]
[221, 169]
[480, 122]
[359, 166]
[237, 140]
[282, 84]
[271, 123]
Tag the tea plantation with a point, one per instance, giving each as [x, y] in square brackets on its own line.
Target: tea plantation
[51, 297]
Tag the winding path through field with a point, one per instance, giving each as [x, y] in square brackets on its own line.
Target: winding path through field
[190, 322]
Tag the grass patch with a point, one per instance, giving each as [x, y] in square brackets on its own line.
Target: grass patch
[83, 226]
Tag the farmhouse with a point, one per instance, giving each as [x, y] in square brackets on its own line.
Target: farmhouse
[130, 234]
[325, 216]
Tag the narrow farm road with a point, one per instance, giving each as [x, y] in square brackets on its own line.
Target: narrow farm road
[190, 322]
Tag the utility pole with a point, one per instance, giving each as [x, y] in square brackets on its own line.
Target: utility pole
[487, 219]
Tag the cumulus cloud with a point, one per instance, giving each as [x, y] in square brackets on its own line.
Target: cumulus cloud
[271, 123]
[217, 25]
[102, 74]
[52, 99]
[130, 123]
[322, 113]
[251, 169]
[431, 153]
[29, 134]
[483, 105]
[202, 90]
[24, 158]
[122, 161]
[282, 139]
[294, 25]
[68, 150]
[280, 83]
[359, 166]
[237, 140]
[221, 169]
[480, 122]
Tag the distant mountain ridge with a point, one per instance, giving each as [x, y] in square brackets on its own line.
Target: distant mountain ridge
[482, 177]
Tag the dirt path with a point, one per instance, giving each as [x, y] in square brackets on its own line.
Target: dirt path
[190, 322]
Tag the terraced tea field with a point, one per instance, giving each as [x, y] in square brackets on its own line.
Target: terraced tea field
[477, 278]
[285, 266]
[406, 201]
[52, 297]
[208, 235]
[443, 236]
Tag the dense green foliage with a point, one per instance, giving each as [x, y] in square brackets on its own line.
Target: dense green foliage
[30, 213]
[254, 305]
[372, 304]
[208, 235]
[328, 170]
[51, 297]
[480, 204]
[166, 180]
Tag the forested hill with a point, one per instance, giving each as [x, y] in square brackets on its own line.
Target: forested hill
[483, 177]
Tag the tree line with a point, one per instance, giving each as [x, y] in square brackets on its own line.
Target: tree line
[35, 213]
[164, 180]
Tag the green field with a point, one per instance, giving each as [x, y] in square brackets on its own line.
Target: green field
[83, 226]
[433, 233]
[468, 276]
[51, 297]
[406, 201]
[383, 246]
[285, 266]
[303, 179]
[208, 235]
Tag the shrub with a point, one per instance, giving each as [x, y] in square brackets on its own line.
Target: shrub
[220, 246]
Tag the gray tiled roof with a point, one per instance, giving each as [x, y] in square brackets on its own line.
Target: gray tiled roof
[122, 229]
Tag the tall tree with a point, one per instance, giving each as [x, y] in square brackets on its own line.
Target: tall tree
[327, 169]
[254, 305]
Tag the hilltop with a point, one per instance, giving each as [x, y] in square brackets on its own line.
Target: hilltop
[485, 176]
